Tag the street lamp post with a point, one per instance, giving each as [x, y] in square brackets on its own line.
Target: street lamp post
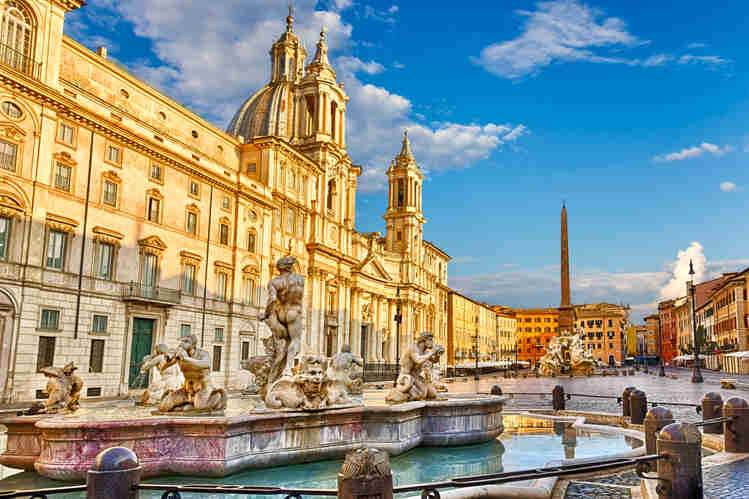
[476, 350]
[661, 370]
[696, 373]
[398, 319]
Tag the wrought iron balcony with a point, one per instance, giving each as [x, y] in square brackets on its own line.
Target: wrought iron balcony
[136, 291]
[19, 61]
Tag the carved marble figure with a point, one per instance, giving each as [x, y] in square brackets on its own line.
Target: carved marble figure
[347, 370]
[63, 391]
[197, 393]
[163, 378]
[567, 352]
[306, 389]
[261, 365]
[415, 380]
[284, 316]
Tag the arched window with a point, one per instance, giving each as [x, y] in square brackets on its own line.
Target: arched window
[333, 121]
[17, 36]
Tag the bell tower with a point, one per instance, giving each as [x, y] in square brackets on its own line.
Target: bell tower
[404, 217]
[287, 55]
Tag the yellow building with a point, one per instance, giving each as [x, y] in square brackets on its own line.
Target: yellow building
[631, 341]
[506, 332]
[652, 323]
[472, 326]
[602, 326]
[127, 221]
[535, 327]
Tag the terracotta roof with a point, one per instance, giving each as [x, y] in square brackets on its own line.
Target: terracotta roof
[705, 290]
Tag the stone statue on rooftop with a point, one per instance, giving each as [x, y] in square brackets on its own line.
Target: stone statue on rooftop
[415, 380]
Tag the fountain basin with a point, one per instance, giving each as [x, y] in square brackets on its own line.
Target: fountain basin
[64, 447]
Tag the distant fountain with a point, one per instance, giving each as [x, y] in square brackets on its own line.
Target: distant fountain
[567, 353]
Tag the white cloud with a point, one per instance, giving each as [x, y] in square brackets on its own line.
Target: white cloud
[385, 15]
[708, 60]
[562, 30]
[694, 152]
[465, 259]
[676, 285]
[341, 4]
[393, 9]
[398, 65]
[727, 186]
[354, 65]
[697, 45]
[657, 60]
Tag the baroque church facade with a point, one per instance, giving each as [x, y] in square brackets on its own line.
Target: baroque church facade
[127, 221]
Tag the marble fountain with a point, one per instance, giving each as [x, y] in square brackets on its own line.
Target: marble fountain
[308, 408]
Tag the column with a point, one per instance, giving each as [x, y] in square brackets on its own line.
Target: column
[377, 330]
[321, 312]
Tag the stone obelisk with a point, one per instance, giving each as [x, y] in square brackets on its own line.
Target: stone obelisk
[565, 307]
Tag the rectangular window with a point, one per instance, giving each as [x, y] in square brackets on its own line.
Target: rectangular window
[300, 226]
[8, 154]
[105, 265]
[192, 222]
[218, 335]
[290, 220]
[4, 237]
[401, 194]
[96, 360]
[45, 356]
[149, 270]
[185, 330]
[226, 203]
[224, 234]
[277, 218]
[216, 358]
[221, 286]
[114, 154]
[99, 324]
[194, 188]
[67, 133]
[251, 242]
[50, 319]
[188, 279]
[249, 290]
[56, 241]
[155, 171]
[251, 168]
[62, 177]
[245, 350]
[110, 193]
[154, 205]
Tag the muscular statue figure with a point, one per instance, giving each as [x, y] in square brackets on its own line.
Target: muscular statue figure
[63, 391]
[198, 392]
[283, 315]
[163, 378]
[414, 382]
[347, 369]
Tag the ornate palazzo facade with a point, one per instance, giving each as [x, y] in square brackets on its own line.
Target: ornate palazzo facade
[127, 221]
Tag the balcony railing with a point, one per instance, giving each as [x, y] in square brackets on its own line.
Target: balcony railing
[19, 61]
[136, 291]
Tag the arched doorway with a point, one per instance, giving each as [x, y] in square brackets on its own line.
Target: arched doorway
[7, 323]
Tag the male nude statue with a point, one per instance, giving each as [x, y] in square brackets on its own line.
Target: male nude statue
[284, 317]
[415, 381]
[198, 392]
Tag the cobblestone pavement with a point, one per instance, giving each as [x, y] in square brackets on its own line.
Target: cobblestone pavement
[657, 389]
[583, 490]
[727, 481]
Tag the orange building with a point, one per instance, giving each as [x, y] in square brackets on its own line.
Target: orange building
[602, 326]
[535, 329]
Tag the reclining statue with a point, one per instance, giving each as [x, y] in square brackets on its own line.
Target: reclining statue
[63, 391]
[346, 369]
[415, 380]
[164, 378]
[197, 393]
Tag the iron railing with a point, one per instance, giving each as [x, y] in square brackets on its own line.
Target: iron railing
[643, 464]
[19, 61]
[136, 291]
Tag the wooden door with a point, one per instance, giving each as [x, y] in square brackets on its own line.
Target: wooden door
[140, 347]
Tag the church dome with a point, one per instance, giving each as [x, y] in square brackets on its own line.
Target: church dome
[262, 114]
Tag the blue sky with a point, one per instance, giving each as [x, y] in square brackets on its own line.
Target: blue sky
[633, 113]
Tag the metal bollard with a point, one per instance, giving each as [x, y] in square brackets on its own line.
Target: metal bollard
[736, 432]
[625, 401]
[557, 398]
[656, 419]
[496, 390]
[366, 473]
[115, 472]
[638, 405]
[712, 407]
[681, 472]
